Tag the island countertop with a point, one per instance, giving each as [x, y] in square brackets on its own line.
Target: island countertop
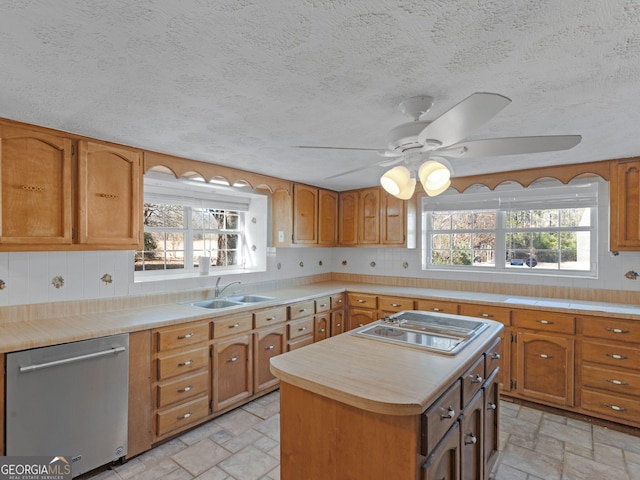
[378, 376]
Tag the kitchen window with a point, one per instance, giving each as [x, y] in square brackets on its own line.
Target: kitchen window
[538, 230]
[188, 221]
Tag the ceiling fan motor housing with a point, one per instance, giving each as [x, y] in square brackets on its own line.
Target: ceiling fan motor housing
[405, 137]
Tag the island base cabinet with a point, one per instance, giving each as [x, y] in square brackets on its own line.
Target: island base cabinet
[340, 441]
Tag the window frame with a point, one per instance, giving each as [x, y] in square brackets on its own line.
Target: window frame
[507, 198]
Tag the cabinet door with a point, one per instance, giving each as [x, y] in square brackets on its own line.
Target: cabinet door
[444, 462]
[471, 442]
[266, 345]
[369, 219]
[36, 187]
[110, 195]
[393, 221]
[625, 205]
[337, 322]
[545, 368]
[359, 317]
[321, 327]
[232, 371]
[348, 218]
[305, 214]
[491, 423]
[327, 218]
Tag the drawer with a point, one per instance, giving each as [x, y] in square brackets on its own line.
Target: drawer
[610, 379]
[472, 380]
[183, 388]
[493, 358]
[299, 343]
[544, 321]
[612, 405]
[611, 329]
[182, 416]
[441, 306]
[270, 316]
[394, 304]
[301, 309]
[228, 326]
[181, 336]
[611, 354]
[440, 417]
[362, 300]
[337, 301]
[300, 328]
[323, 304]
[182, 362]
[499, 314]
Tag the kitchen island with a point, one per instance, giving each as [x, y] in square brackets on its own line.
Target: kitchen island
[357, 408]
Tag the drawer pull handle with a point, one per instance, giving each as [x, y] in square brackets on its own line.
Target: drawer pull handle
[321, 330]
[470, 439]
[544, 355]
[545, 322]
[302, 329]
[491, 406]
[486, 315]
[186, 415]
[617, 382]
[615, 407]
[235, 325]
[188, 335]
[232, 359]
[339, 301]
[616, 356]
[323, 305]
[396, 305]
[449, 415]
[436, 309]
[302, 310]
[186, 364]
[185, 389]
[361, 301]
[338, 324]
[476, 379]
[495, 356]
[271, 318]
[616, 330]
[269, 347]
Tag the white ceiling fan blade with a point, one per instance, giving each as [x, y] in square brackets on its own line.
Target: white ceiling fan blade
[493, 147]
[461, 120]
[338, 148]
[386, 163]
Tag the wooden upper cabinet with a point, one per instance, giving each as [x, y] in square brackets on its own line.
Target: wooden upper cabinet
[393, 220]
[305, 214]
[625, 205]
[281, 218]
[369, 216]
[327, 217]
[36, 187]
[348, 218]
[110, 195]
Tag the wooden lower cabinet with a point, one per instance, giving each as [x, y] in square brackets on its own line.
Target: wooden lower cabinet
[444, 462]
[472, 439]
[232, 371]
[337, 322]
[266, 344]
[545, 366]
[321, 327]
[140, 431]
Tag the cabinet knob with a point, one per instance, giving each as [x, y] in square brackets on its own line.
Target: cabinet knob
[544, 355]
[235, 325]
[470, 439]
[449, 415]
[321, 330]
[232, 359]
[495, 356]
[271, 318]
[361, 301]
[396, 305]
[476, 379]
[182, 337]
[185, 389]
[323, 305]
[436, 309]
[617, 382]
[269, 347]
[492, 406]
[338, 324]
[185, 364]
[486, 315]
[185, 416]
[616, 356]
[545, 322]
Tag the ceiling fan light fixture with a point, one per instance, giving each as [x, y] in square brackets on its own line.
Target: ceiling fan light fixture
[407, 192]
[435, 177]
[395, 179]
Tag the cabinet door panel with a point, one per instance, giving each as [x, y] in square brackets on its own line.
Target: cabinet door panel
[472, 440]
[444, 463]
[337, 322]
[110, 195]
[36, 187]
[545, 365]
[305, 214]
[491, 423]
[327, 218]
[232, 371]
[348, 219]
[369, 220]
[393, 220]
[266, 345]
[625, 205]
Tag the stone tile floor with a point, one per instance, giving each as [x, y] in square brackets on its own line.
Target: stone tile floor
[244, 445]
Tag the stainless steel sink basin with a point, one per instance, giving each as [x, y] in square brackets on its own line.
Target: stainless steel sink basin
[214, 304]
[226, 302]
[249, 298]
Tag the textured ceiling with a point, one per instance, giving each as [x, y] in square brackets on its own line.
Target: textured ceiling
[240, 82]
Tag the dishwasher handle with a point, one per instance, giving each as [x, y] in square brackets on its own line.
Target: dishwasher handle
[79, 358]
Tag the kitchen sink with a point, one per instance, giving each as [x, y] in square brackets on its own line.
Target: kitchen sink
[249, 298]
[227, 302]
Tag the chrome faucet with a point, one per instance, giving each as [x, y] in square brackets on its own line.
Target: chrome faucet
[217, 291]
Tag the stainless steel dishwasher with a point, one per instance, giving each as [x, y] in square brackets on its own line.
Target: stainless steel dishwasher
[69, 400]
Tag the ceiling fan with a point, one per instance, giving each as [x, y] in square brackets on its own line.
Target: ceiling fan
[418, 143]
